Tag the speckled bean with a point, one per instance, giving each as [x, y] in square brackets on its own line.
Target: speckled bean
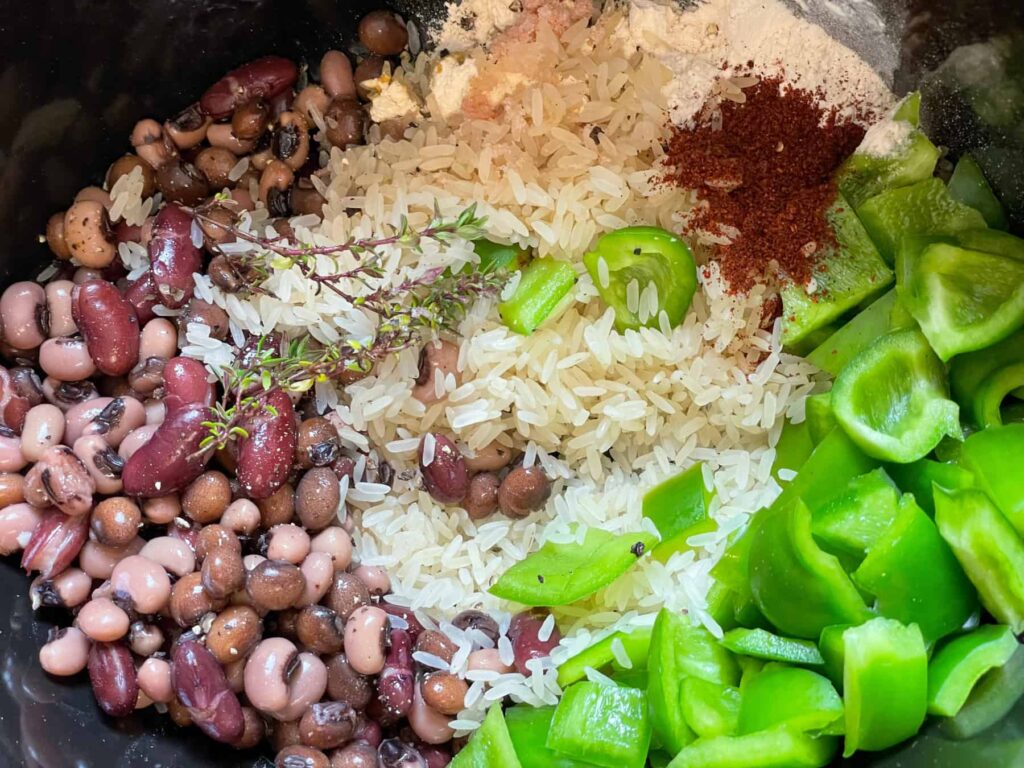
[142, 582]
[109, 326]
[336, 542]
[66, 653]
[58, 305]
[199, 683]
[172, 458]
[172, 554]
[155, 680]
[365, 636]
[25, 315]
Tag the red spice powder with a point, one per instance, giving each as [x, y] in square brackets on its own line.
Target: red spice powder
[766, 174]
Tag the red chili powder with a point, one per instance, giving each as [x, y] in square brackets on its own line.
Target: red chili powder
[766, 174]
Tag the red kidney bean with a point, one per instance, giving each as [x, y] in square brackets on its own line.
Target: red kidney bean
[397, 679]
[65, 590]
[66, 359]
[435, 756]
[43, 428]
[265, 457]
[103, 620]
[173, 257]
[414, 629]
[61, 478]
[66, 653]
[524, 633]
[185, 383]
[114, 681]
[20, 389]
[445, 477]
[109, 326]
[260, 79]
[116, 419]
[155, 680]
[266, 671]
[142, 295]
[306, 685]
[17, 524]
[172, 458]
[25, 316]
[395, 753]
[102, 462]
[200, 684]
[58, 304]
[131, 233]
[143, 583]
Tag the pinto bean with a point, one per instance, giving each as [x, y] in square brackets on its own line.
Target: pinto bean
[65, 653]
[427, 723]
[173, 256]
[383, 33]
[211, 537]
[188, 128]
[299, 756]
[317, 498]
[346, 121]
[155, 680]
[43, 428]
[278, 507]
[206, 498]
[260, 79]
[365, 638]
[102, 620]
[435, 357]
[25, 315]
[17, 523]
[223, 572]
[114, 681]
[125, 165]
[250, 119]
[199, 683]
[234, 633]
[524, 490]
[109, 326]
[88, 234]
[477, 621]
[59, 308]
[61, 478]
[55, 237]
[264, 458]
[143, 583]
[67, 359]
[172, 458]
[145, 640]
[482, 498]
[445, 476]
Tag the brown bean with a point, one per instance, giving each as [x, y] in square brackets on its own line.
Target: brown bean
[277, 508]
[336, 542]
[188, 128]
[358, 754]
[141, 583]
[299, 756]
[88, 234]
[317, 498]
[264, 458]
[253, 731]
[206, 497]
[345, 684]
[346, 595]
[125, 165]
[437, 644]
[482, 498]
[524, 632]
[161, 509]
[397, 679]
[444, 692]
[236, 631]
[346, 121]
[491, 458]
[216, 536]
[306, 685]
[242, 517]
[109, 326]
[365, 639]
[181, 182]
[68, 589]
[172, 458]
[55, 237]
[114, 681]
[274, 585]
[115, 521]
[154, 677]
[65, 653]
[173, 256]
[215, 163]
[317, 443]
[25, 315]
[311, 98]
[60, 318]
[328, 724]
[102, 620]
[145, 640]
[320, 629]
[524, 490]
[436, 358]
[150, 143]
[395, 753]
[445, 476]
[199, 683]
[223, 572]
[263, 78]
[383, 33]
[190, 601]
[290, 143]
[305, 198]
[12, 489]
[336, 75]
[250, 119]
[477, 621]
[61, 478]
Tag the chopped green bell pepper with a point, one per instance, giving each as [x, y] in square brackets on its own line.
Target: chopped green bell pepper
[792, 450]
[924, 208]
[852, 522]
[797, 586]
[762, 644]
[885, 684]
[969, 186]
[710, 709]
[559, 574]
[839, 348]
[820, 419]
[631, 263]
[892, 399]
[834, 461]
[990, 551]
[993, 455]
[544, 288]
[605, 725]
[980, 381]
[636, 644]
[676, 507]
[831, 646]
[796, 698]
[528, 728]
[497, 257]
[777, 748]
[961, 663]
[992, 698]
[491, 745]
[919, 478]
[915, 578]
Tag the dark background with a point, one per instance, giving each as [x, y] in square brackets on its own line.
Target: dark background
[75, 75]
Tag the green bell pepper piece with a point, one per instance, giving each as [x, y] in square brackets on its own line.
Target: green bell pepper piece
[632, 678]
[710, 709]
[961, 663]
[559, 574]
[642, 257]
[990, 701]
[839, 348]
[852, 522]
[676, 507]
[993, 455]
[909, 108]
[990, 551]
[915, 578]
[885, 684]
[892, 399]
[831, 646]
[659, 759]
[969, 186]
[777, 748]
[544, 288]
[919, 478]
[835, 461]
[980, 381]
[796, 698]
[762, 644]
[600, 655]
[491, 745]
[528, 728]
[602, 724]
[497, 257]
[820, 419]
[798, 587]
[846, 276]
[792, 450]
[924, 208]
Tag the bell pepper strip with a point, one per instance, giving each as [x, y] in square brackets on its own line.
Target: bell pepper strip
[835, 461]
[923, 208]
[885, 684]
[846, 276]
[635, 645]
[892, 399]
[990, 701]
[960, 663]
[641, 272]
[491, 745]
[776, 748]
[562, 573]
[969, 186]
[820, 419]
[528, 728]
[800, 588]
[544, 289]
[993, 456]
[851, 523]
[710, 709]
[837, 350]
[497, 257]
[762, 644]
[915, 578]
[605, 725]
[676, 507]
[989, 550]
[830, 645]
[792, 450]
[798, 699]
[980, 381]
[920, 477]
